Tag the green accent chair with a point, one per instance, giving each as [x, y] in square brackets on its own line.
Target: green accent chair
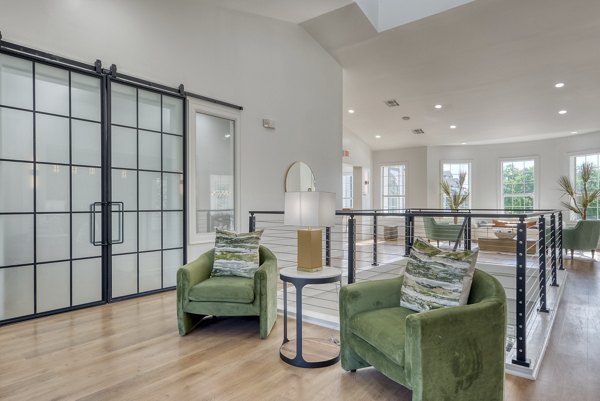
[447, 354]
[441, 231]
[584, 236]
[199, 295]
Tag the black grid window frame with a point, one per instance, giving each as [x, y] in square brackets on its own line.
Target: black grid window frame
[35, 61]
[162, 172]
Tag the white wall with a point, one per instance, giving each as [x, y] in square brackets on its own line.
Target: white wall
[424, 168]
[360, 156]
[273, 69]
[416, 174]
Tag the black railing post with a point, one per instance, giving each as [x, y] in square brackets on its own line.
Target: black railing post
[521, 357]
[252, 223]
[351, 250]
[559, 245]
[409, 232]
[327, 246]
[374, 242]
[468, 234]
[542, 263]
[553, 249]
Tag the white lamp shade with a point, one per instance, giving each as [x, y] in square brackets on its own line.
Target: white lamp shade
[309, 209]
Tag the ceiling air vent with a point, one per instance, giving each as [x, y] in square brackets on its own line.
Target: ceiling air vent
[418, 131]
[392, 103]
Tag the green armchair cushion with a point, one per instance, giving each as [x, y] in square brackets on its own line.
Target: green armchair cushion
[441, 231]
[224, 289]
[384, 329]
[236, 254]
[584, 236]
[436, 278]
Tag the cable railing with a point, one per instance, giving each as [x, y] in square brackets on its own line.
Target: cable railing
[523, 249]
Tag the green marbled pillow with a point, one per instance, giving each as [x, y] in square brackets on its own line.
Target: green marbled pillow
[236, 254]
[436, 278]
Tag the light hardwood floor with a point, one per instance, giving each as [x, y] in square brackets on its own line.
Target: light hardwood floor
[131, 351]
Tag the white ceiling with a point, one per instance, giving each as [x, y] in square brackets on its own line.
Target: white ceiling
[492, 64]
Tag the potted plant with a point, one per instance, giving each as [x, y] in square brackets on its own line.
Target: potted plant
[457, 194]
[579, 202]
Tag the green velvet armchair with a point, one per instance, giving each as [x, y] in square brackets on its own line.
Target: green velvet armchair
[448, 354]
[441, 231]
[584, 236]
[199, 295]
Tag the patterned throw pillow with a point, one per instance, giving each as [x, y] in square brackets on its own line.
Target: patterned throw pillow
[236, 254]
[436, 278]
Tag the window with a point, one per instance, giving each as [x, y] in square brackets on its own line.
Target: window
[593, 210]
[347, 191]
[451, 173]
[518, 184]
[393, 187]
[214, 188]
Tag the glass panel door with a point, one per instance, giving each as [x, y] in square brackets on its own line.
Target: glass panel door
[146, 189]
[50, 174]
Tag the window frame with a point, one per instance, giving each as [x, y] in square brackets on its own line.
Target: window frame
[198, 106]
[573, 176]
[536, 179]
[404, 195]
[469, 163]
[351, 198]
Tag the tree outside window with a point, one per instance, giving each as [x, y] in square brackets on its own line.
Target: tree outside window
[518, 184]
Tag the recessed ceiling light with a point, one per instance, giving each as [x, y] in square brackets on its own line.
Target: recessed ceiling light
[463, 143]
[559, 84]
[573, 132]
[350, 111]
[227, 135]
[378, 136]
[438, 106]
[562, 112]
[452, 126]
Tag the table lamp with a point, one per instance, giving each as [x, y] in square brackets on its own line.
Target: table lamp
[313, 210]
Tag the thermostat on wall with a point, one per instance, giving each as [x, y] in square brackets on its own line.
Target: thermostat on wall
[268, 123]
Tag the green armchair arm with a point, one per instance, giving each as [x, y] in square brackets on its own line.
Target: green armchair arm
[369, 295]
[457, 353]
[187, 277]
[265, 284]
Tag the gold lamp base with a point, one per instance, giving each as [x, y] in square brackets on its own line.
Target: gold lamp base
[310, 250]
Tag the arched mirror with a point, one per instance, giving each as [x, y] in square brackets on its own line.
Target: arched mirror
[299, 177]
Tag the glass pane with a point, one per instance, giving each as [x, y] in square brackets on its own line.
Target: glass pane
[52, 184]
[124, 147]
[129, 233]
[87, 281]
[16, 134]
[149, 150]
[124, 188]
[52, 138]
[51, 89]
[124, 275]
[150, 274]
[16, 297]
[149, 191]
[52, 237]
[19, 178]
[53, 286]
[16, 82]
[85, 97]
[82, 241]
[123, 105]
[172, 229]
[149, 231]
[172, 191]
[173, 153]
[86, 187]
[149, 109]
[172, 261]
[85, 143]
[172, 115]
[16, 232]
